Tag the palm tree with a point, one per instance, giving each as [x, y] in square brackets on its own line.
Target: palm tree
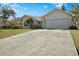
[6, 13]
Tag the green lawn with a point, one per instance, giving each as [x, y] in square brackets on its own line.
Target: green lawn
[9, 32]
[75, 35]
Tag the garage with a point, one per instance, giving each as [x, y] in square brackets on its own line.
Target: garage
[57, 19]
[57, 24]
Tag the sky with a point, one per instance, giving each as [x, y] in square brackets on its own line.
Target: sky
[36, 9]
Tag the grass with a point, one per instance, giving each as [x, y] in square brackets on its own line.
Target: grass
[9, 32]
[75, 34]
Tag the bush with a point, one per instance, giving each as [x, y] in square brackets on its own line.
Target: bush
[8, 27]
[4, 27]
[16, 27]
[73, 27]
[38, 27]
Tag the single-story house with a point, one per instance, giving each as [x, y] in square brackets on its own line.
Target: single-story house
[54, 19]
[23, 21]
[36, 20]
[58, 19]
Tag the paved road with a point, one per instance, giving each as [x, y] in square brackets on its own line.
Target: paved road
[39, 42]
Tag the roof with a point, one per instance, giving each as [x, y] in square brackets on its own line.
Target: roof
[69, 13]
[37, 19]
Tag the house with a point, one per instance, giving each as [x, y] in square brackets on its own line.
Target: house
[58, 19]
[23, 21]
[55, 19]
[37, 22]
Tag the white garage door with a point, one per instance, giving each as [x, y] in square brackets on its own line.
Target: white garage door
[58, 24]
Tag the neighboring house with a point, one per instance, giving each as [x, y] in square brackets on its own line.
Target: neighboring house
[58, 19]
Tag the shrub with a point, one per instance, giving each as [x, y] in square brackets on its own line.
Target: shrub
[8, 27]
[4, 27]
[73, 27]
[38, 27]
[16, 27]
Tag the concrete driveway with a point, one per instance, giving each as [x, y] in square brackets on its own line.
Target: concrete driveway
[39, 42]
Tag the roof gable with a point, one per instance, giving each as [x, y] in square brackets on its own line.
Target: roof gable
[62, 11]
[58, 14]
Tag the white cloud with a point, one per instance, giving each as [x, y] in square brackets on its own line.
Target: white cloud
[11, 5]
[59, 5]
[45, 6]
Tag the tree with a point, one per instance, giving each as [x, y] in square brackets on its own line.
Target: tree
[63, 7]
[75, 9]
[30, 22]
[6, 13]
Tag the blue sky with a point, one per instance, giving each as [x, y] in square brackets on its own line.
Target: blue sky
[36, 9]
